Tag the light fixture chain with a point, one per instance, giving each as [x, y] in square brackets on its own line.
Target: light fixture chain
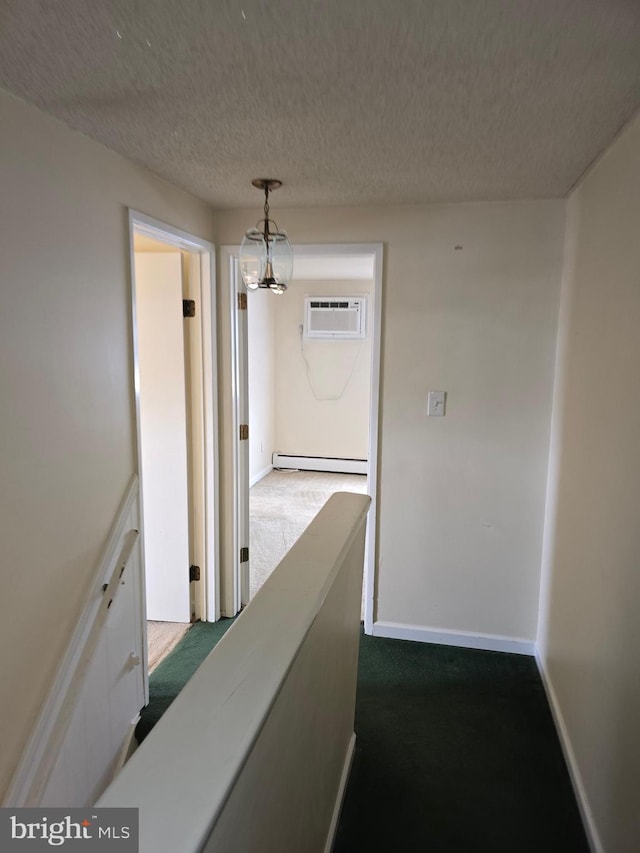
[266, 203]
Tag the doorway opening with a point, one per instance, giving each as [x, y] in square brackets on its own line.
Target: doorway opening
[175, 384]
[308, 390]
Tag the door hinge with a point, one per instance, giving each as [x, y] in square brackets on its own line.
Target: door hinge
[188, 308]
[242, 302]
[194, 573]
[244, 555]
[244, 432]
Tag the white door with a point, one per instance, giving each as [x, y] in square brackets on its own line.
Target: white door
[163, 434]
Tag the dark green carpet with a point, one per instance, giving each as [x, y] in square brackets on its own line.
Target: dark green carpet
[456, 750]
[168, 679]
[456, 753]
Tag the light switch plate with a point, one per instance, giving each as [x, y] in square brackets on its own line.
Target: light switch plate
[436, 403]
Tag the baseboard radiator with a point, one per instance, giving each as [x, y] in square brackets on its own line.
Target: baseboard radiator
[86, 721]
[254, 754]
[319, 463]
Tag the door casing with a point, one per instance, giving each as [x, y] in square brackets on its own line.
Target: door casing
[231, 279]
[201, 263]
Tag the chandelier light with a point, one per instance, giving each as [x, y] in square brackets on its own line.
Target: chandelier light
[266, 256]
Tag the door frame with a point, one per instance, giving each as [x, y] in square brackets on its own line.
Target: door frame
[239, 403]
[140, 223]
[239, 580]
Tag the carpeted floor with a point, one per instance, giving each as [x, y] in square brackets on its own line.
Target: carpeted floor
[177, 668]
[162, 637]
[281, 506]
[456, 750]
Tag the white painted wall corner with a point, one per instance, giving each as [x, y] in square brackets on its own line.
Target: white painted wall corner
[260, 475]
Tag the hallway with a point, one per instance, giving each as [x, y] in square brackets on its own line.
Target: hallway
[456, 752]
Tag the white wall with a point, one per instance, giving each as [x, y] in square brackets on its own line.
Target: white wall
[461, 498]
[68, 431]
[322, 387]
[261, 354]
[589, 634]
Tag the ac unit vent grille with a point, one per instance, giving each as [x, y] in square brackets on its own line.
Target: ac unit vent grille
[316, 304]
[333, 318]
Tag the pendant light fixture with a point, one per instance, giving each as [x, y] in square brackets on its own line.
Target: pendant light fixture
[266, 256]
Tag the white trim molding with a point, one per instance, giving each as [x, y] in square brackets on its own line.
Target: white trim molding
[444, 637]
[570, 758]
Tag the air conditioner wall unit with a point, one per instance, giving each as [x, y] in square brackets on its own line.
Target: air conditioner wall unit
[341, 318]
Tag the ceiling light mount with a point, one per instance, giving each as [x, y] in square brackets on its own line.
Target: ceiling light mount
[268, 184]
[266, 256]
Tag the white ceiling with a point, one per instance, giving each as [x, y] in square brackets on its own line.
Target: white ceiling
[346, 101]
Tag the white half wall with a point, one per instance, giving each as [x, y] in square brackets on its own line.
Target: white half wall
[68, 446]
[322, 387]
[261, 354]
[461, 498]
[260, 740]
[589, 631]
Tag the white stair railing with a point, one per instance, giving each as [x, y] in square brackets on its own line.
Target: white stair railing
[254, 754]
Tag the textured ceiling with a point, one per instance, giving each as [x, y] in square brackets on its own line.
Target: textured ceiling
[346, 101]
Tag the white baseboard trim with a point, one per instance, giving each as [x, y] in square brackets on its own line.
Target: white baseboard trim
[260, 475]
[443, 637]
[321, 463]
[337, 808]
[569, 756]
